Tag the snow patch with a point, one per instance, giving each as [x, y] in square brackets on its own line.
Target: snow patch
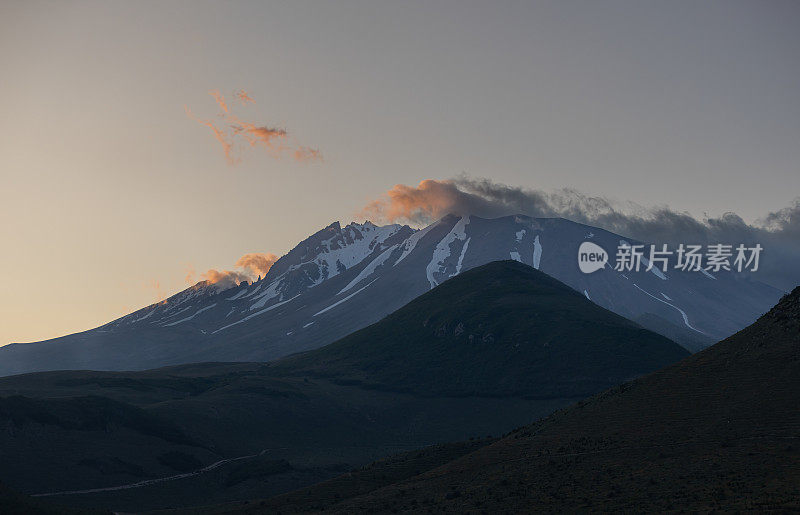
[266, 296]
[442, 250]
[187, 308]
[351, 254]
[240, 294]
[148, 315]
[707, 274]
[191, 316]
[537, 252]
[461, 258]
[248, 317]
[682, 312]
[345, 299]
[657, 271]
[254, 291]
[370, 268]
[411, 242]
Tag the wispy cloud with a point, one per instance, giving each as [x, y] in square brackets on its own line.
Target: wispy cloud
[224, 278]
[252, 265]
[274, 139]
[243, 97]
[219, 135]
[268, 137]
[220, 99]
[429, 200]
[307, 154]
[154, 285]
[257, 263]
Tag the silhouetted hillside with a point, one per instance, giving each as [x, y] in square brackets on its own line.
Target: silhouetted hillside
[719, 430]
[501, 329]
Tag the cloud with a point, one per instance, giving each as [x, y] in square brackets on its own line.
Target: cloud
[253, 265]
[189, 279]
[243, 97]
[257, 263]
[274, 139]
[428, 201]
[219, 135]
[158, 292]
[269, 137]
[307, 155]
[220, 99]
[224, 278]
[778, 232]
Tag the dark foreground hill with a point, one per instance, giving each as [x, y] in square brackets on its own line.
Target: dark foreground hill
[489, 350]
[15, 503]
[502, 329]
[718, 431]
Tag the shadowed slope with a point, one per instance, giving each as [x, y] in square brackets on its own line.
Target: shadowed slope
[719, 430]
[502, 329]
[15, 503]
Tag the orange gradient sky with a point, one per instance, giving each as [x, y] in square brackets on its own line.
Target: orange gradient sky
[111, 193]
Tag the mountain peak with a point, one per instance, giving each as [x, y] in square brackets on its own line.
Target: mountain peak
[332, 227]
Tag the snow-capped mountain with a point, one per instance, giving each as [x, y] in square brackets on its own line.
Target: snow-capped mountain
[340, 280]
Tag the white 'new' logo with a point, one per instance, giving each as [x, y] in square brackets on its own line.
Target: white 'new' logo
[591, 257]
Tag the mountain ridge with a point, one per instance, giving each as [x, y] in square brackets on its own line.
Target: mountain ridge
[340, 280]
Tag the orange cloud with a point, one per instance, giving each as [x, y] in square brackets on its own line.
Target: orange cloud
[224, 278]
[220, 99]
[274, 139]
[219, 135]
[155, 285]
[307, 154]
[430, 199]
[243, 97]
[253, 264]
[189, 274]
[269, 137]
[257, 263]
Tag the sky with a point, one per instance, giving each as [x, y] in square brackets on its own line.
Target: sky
[115, 187]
